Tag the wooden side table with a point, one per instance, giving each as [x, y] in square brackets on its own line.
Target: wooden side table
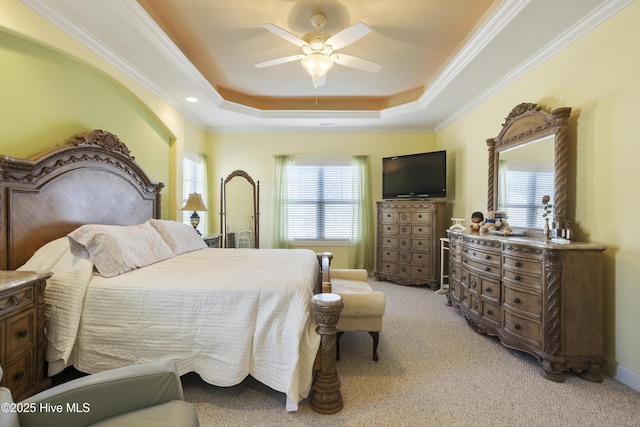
[22, 331]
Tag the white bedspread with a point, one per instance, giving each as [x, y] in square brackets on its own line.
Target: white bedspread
[223, 313]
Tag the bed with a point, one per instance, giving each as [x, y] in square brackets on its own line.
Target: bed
[221, 313]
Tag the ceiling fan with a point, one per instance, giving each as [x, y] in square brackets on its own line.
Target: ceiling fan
[319, 50]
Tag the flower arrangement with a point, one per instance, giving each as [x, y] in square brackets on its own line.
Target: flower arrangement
[546, 203]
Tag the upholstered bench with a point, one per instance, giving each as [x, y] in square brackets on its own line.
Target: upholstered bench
[363, 307]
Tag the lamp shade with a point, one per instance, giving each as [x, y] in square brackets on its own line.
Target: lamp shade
[317, 64]
[194, 203]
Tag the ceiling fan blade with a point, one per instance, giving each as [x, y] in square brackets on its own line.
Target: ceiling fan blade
[348, 35]
[284, 34]
[355, 62]
[279, 61]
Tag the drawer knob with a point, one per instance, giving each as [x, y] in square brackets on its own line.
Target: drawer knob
[487, 289]
[23, 333]
[487, 269]
[516, 326]
[516, 300]
[487, 257]
[474, 254]
[517, 277]
[518, 264]
[19, 376]
[420, 230]
[489, 311]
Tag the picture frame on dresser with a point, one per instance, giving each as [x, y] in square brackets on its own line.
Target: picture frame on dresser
[537, 296]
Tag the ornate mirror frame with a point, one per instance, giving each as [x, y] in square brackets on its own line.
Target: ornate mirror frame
[256, 207]
[526, 123]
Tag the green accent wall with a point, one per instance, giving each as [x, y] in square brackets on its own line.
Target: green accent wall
[47, 98]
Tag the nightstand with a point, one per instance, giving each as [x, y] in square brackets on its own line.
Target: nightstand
[22, 331]
[213, 241]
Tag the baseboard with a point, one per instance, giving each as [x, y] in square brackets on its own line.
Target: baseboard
[622, 374]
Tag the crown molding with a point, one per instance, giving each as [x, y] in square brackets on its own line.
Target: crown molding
[599, 15]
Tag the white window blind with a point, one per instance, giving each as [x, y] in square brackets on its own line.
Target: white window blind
[320, 199]
[194, 181]
[521, 195]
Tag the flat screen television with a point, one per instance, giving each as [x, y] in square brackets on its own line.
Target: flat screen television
[415, 176]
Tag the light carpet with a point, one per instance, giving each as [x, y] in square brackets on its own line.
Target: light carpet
[433, 371]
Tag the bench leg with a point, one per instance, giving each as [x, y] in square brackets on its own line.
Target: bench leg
[376, 339]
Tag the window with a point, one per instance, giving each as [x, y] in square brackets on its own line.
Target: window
[521, 195]
[325, 199]
[320, 199]
[194, 180]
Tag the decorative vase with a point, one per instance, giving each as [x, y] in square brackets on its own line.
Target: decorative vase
[546, 229]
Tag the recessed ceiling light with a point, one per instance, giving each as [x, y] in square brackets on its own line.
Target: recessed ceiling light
[192, 99]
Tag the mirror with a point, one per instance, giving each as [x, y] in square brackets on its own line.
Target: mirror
[239, 216]
[527, 161]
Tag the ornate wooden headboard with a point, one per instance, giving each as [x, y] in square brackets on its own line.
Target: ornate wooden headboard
[93, 179]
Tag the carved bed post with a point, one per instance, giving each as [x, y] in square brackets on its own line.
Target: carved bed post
[325, 395]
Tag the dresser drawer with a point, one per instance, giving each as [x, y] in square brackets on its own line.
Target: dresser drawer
[520, 265]
[388, 215]
[456, 290]
[404, 230]
[423, 216]
[420, 230]
[388, 267]
[20, 334]
[525, 302]
[388, 242]
[485, 257]
[18, 375]
[420, 244]
[522, 328]
[471, 301]
[404, 217]
[456, 272]
[389, 229]
[17, 300]
[491, 312]
[486, 269]
[490, 289]
[521, 279]
[420, 258]
[389, 255]
[421, 271]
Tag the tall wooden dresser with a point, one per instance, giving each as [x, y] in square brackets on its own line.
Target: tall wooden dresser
[22, 331]
[542, 298]
[408, 242]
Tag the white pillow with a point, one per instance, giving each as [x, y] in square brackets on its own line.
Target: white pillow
[180, 237]
[116, 249]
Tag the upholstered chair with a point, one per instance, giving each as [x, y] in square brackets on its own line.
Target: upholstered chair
[148, 394]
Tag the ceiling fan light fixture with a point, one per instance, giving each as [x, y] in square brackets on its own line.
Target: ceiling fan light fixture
[317, 64]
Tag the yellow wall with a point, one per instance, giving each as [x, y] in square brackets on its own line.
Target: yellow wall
[254, 153]
[61, 88]
[598, 77]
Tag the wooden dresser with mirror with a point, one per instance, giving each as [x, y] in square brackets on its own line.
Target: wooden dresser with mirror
[540, 296]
